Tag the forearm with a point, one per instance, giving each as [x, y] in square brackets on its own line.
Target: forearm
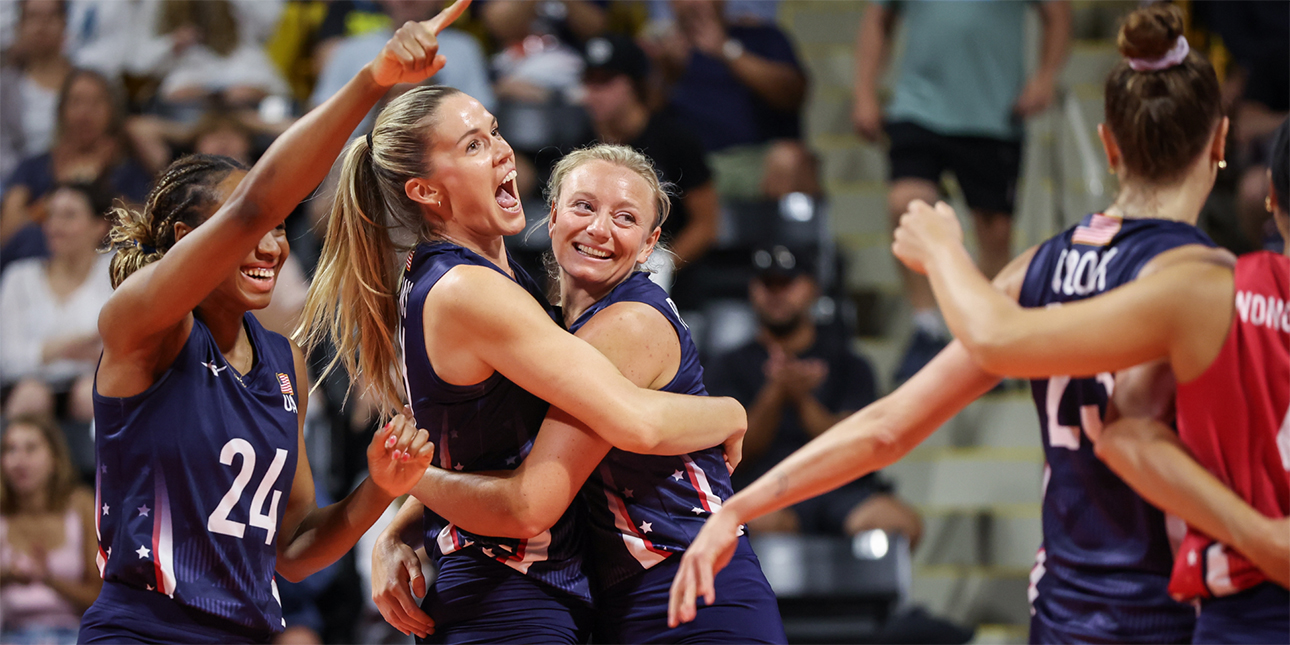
[976, 313]
[871, 51]
[408, 525]
[780, 85]
[300, 159]
[870, 439]
[1056, 19]
[1152, 459]
[486, 503]
[682, 423]
[325, 534]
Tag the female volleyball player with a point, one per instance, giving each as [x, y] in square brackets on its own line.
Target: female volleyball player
[1104, 565]
[1226, 338]
[481, 355]
[607, 210]
[203, 485]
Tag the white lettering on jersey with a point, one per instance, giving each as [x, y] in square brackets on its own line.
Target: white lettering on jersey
[1263, 311]
[1079, 274]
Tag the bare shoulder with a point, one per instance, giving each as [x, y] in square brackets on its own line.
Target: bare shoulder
[637, 339]
[1190, 253]
[1013, 274]
[469, 288]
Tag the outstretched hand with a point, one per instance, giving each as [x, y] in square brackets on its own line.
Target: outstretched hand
[923, 231]
[412, 54]
[709, 553]
[396, 576]
[399, 455]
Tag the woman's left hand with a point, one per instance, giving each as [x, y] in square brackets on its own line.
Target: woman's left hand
[924, 230]
[399, 455]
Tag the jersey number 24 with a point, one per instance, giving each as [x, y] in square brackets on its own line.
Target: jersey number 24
[218, 521]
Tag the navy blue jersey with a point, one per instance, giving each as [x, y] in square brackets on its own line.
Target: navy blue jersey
[1106, 557]
[194, 475]
[486, 426]
[643, 508]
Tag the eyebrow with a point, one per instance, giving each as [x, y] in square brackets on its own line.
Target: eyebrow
[474, 131]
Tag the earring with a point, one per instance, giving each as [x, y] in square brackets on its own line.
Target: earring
[1222, 163]
[1110, 169]
[1267, 203]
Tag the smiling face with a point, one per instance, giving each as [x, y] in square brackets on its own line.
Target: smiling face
[26, 459]
[603, 224]
[251, 286]
[472, 181]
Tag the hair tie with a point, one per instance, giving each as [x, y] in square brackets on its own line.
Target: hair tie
[369, 141]
[1174, 56]
[147, 250]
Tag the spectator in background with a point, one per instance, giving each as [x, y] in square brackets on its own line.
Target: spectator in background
[468, 71]
[741, 89]
[797, 380]
[1257, 93]
[89, 146]
[615, 81]
[49, 311]
[960, 99]
[48, 575]
[34, 70]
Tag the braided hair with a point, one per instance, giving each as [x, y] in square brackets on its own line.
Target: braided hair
[184, 193]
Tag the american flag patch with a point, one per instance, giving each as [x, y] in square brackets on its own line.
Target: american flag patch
[411, 254]
[1099, 231]
[285, 382]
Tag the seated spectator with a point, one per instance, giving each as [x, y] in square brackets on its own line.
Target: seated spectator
[89, 146]
[538, 73]
[615, 80]
[49, 311]
[34, 70]
[797, 380]
[48, 575]
[741, 88]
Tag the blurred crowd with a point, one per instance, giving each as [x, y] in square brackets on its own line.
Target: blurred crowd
[97, 96]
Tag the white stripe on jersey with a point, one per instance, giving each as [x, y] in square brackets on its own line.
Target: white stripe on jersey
[699, 480]
[163, 538]
[640, 548]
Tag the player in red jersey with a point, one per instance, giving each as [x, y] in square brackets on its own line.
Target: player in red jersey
[1224, 332]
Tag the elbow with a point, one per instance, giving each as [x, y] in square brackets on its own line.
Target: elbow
[646, 438]
[292, 570]
[532, 521]
[989, 347]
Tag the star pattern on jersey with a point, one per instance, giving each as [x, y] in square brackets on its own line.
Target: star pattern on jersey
[215, 369]
[510, 461]
[143, 510]
[150, 587]
[457, 467]
[646, 527]
[143, 552]
[103, 469]
[678, 475]
[627, 493]
[488, 552]
[453, 434]
[697, 511]
[467, 543]
[109, 553]
[105, 509]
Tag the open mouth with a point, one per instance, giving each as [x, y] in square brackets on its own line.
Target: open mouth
[592, 253]
[506, 193]
[261, 275]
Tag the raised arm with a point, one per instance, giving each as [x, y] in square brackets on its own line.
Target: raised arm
[1189, 304]
[293, 166]
[1152, 459]
[491, 318]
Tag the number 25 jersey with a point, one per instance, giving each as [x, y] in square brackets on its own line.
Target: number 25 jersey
[194, 475]
[1104, 566]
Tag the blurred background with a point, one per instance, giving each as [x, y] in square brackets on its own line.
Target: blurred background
[793, 132]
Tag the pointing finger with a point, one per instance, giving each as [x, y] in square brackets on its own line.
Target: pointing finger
[447, 16]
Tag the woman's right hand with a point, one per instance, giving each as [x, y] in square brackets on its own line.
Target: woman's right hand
[924, 229]
[396, 575]
[412, 54]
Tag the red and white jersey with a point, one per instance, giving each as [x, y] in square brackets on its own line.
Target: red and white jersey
[1235, 420]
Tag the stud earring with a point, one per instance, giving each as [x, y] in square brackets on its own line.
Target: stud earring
[1222, 163]
[1267, 203]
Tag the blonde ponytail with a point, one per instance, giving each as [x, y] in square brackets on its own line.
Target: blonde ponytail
[352, 300]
